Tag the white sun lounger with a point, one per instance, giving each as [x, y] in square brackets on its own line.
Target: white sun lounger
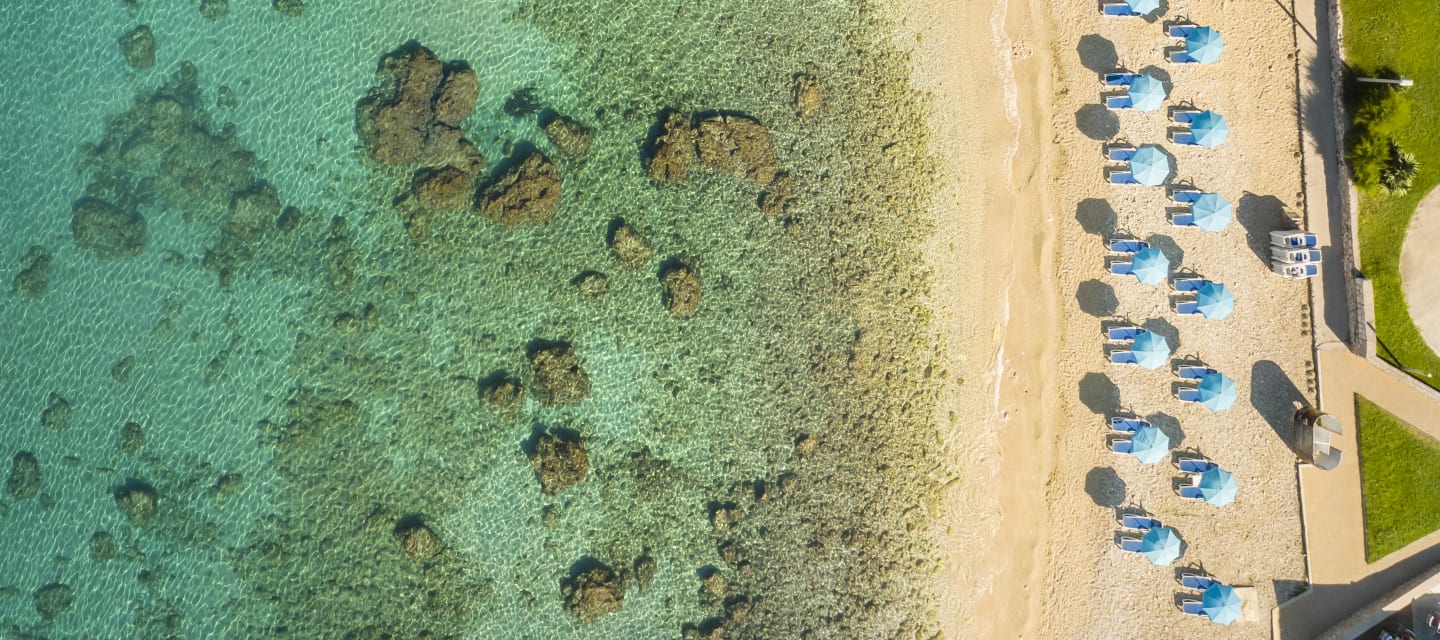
[1127, 425]
[1194, 373]
[1116, 103]
[1138, 523]
[1130, 544]
[1294, 239]
[1295, 256]
[1123, 333]
[1189, 284]
[1188, 395]
[1296, 271]
[1191, 493]
[1120, 79]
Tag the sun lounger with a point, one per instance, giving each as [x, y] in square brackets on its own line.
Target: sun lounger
[1191, 493]
[1295, 256]
[1130, 544]
[1189, 284]
[1181, 30]
[1127, 425]
[1188, 395]
[1123, 357]
[1185, 196]
[1193, 373]
[1122, 245]
[1188, 308]
[1182, 219]
[1118, 102]
[1184, 116]
[1184, 137]
[1120, 79]
[1118, 334]
[1122, 177]
[1120, 268]
[1194, 465]
[1117, 10]
[1192, 607]
[1296, 271]
[1180, 57]
[1139, 523]
[1198, 583]
[1294, 239]
[1120, 153]
[1121, 446]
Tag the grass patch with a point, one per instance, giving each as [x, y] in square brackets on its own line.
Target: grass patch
[1399, 478]
[1398, 35]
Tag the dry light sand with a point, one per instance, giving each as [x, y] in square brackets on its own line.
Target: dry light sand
[1022, 291]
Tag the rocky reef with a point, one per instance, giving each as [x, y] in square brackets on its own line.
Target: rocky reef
[214, 10]
[736, 144]
[53, 599]
[418, 541]
[560, 379]
[23, 482]
[731, 143]
[526, 192]
[629, 246]
[137, 500]
[292, 8]
[671, 148]
[138, 47]
[569, 137]
[413, 116]
[680, 288]
[593, 590]
[560, 460]
[33, 278]
[57, 412]
[107, 230]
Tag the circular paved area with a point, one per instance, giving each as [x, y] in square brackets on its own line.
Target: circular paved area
[1420, 269]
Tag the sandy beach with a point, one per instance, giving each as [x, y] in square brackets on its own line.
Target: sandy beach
[1031, 527]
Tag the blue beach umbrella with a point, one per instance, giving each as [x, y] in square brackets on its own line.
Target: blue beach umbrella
[1204, 45]
[1209, 129]
[1149, 166]
[1217, 486]
[1150, 266]
[1143, 7]
[1161, 546]
[1149, 444]
[1214, 301]
[1220, 603]
[1217, 392]
[1147, 93]
[1211, 211]
[1151, 350]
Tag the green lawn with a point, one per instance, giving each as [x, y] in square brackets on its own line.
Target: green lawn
[1400, 478]
[1399, 35]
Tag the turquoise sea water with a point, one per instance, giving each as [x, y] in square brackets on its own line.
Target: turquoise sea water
[329, 372]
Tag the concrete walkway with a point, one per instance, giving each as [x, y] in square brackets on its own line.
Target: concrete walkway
[1420, 269]
[1341, 581]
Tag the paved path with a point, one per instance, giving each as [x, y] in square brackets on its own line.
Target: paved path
[1420, 268]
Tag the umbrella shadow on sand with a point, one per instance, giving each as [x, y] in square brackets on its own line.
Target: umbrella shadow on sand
[1097, 122]
[1096, 216]
[1105, 487]
[1097, 53]
[1097, 298]
[1274, 397]
[1099, 394]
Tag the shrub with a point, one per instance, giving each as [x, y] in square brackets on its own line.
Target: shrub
[1369, 154]
[1383, 110]
[1399, 171]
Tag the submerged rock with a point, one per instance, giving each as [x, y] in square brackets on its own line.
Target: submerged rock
[671, 149]
[593, 592]
[137, 500]
[528, 192]
[680, 291]
[443, 189]
[522, 102]
[292, 8]
[778, 196]
[414, 114]
[228, 485]
[570, 138]
[107, 230]
[418, 541]
[644, 570]
[252, 212]
[214, 10]
[592, 285]
[53, 599]
[24, 480]
[502, 392]
[123, 369]
[560, 462]
[559, 378]
[103, 547]
[33, 277]
[132, 438]
[138, 47]
[57, 412]
[806, 95]
[738, 145]
[631, 248]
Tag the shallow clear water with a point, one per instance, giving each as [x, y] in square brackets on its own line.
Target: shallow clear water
[809, 325]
